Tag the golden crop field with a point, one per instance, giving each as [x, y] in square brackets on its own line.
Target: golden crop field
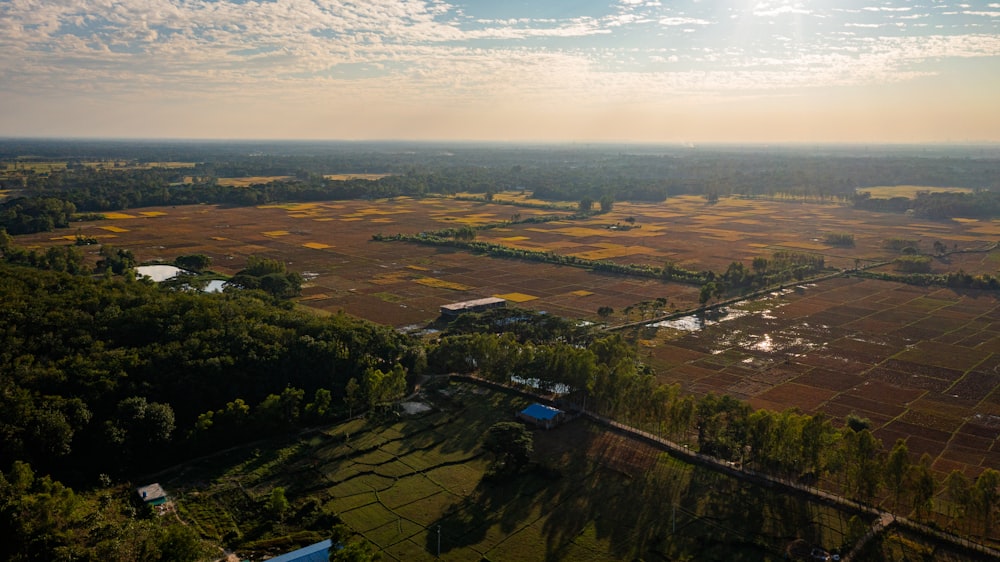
[908, 191]
[442, 284]
[516, 297]
[250, 180]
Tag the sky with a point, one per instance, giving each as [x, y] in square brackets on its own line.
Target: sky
[690, 71]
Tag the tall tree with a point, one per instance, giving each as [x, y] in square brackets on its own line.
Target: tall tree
[984, 498]
[512, 445]
[863, 463]
[896, 468]
[958, 490]
[921, 485]
[352, 396]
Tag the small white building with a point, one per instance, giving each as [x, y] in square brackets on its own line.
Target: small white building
[152, 494]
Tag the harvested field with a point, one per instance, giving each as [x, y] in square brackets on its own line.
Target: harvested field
[698, 236]
[927, 387]
[333, 241]
[250, 180]
[888, 351]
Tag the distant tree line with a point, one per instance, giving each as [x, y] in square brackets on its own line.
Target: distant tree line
[955, 279]
[24, 215]
[584, 174]
[938, 205]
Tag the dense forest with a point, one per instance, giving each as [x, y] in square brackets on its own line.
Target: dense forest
[109, 375]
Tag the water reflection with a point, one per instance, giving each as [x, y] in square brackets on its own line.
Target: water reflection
[158, 273]
[695, 322]
[215, 286]
[758, 334]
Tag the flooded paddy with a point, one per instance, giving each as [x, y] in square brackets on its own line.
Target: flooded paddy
[899, 355]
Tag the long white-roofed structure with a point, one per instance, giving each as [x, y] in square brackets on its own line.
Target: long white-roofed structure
[477, 305]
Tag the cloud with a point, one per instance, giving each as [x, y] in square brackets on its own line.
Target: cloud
[771, 9]
[415, 53]
[886, 9]
[679, 21]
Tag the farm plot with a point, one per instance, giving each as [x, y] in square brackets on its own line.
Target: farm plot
[402, 482]
[698, 236]
[330, 244]
[393, 283]
[917, 364]
[815, 348]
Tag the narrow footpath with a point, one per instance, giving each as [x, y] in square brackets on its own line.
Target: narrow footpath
[880, 524]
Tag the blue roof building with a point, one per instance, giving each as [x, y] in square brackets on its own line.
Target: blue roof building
[542, 415]
[319, 552]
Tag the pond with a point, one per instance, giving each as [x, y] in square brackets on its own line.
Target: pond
[158, 273]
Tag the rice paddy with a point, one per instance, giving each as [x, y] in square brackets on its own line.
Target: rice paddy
[907, 191]
[902, 356]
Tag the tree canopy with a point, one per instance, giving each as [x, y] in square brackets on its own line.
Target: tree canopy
[100, 374]
[511, 444]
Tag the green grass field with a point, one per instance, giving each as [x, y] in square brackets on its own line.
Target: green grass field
[593, 496]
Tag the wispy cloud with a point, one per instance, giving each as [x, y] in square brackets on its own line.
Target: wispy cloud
[771, 9]
[432, 52]
[680, 21]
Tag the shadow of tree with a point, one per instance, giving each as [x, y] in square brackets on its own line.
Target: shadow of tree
[591, 491]
[648, 507]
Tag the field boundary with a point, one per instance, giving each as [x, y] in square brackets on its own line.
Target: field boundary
[730, 301]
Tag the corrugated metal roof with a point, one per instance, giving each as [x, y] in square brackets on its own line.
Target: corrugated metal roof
[319, 552]
[151, 492]
[541, 411]
[464, 305]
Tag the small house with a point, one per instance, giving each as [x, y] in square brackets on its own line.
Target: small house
[542, 415]
[152, 494]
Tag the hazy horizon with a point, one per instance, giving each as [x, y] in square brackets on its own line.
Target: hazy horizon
[613, 72]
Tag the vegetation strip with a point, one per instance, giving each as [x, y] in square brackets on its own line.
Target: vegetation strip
[714, 463]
